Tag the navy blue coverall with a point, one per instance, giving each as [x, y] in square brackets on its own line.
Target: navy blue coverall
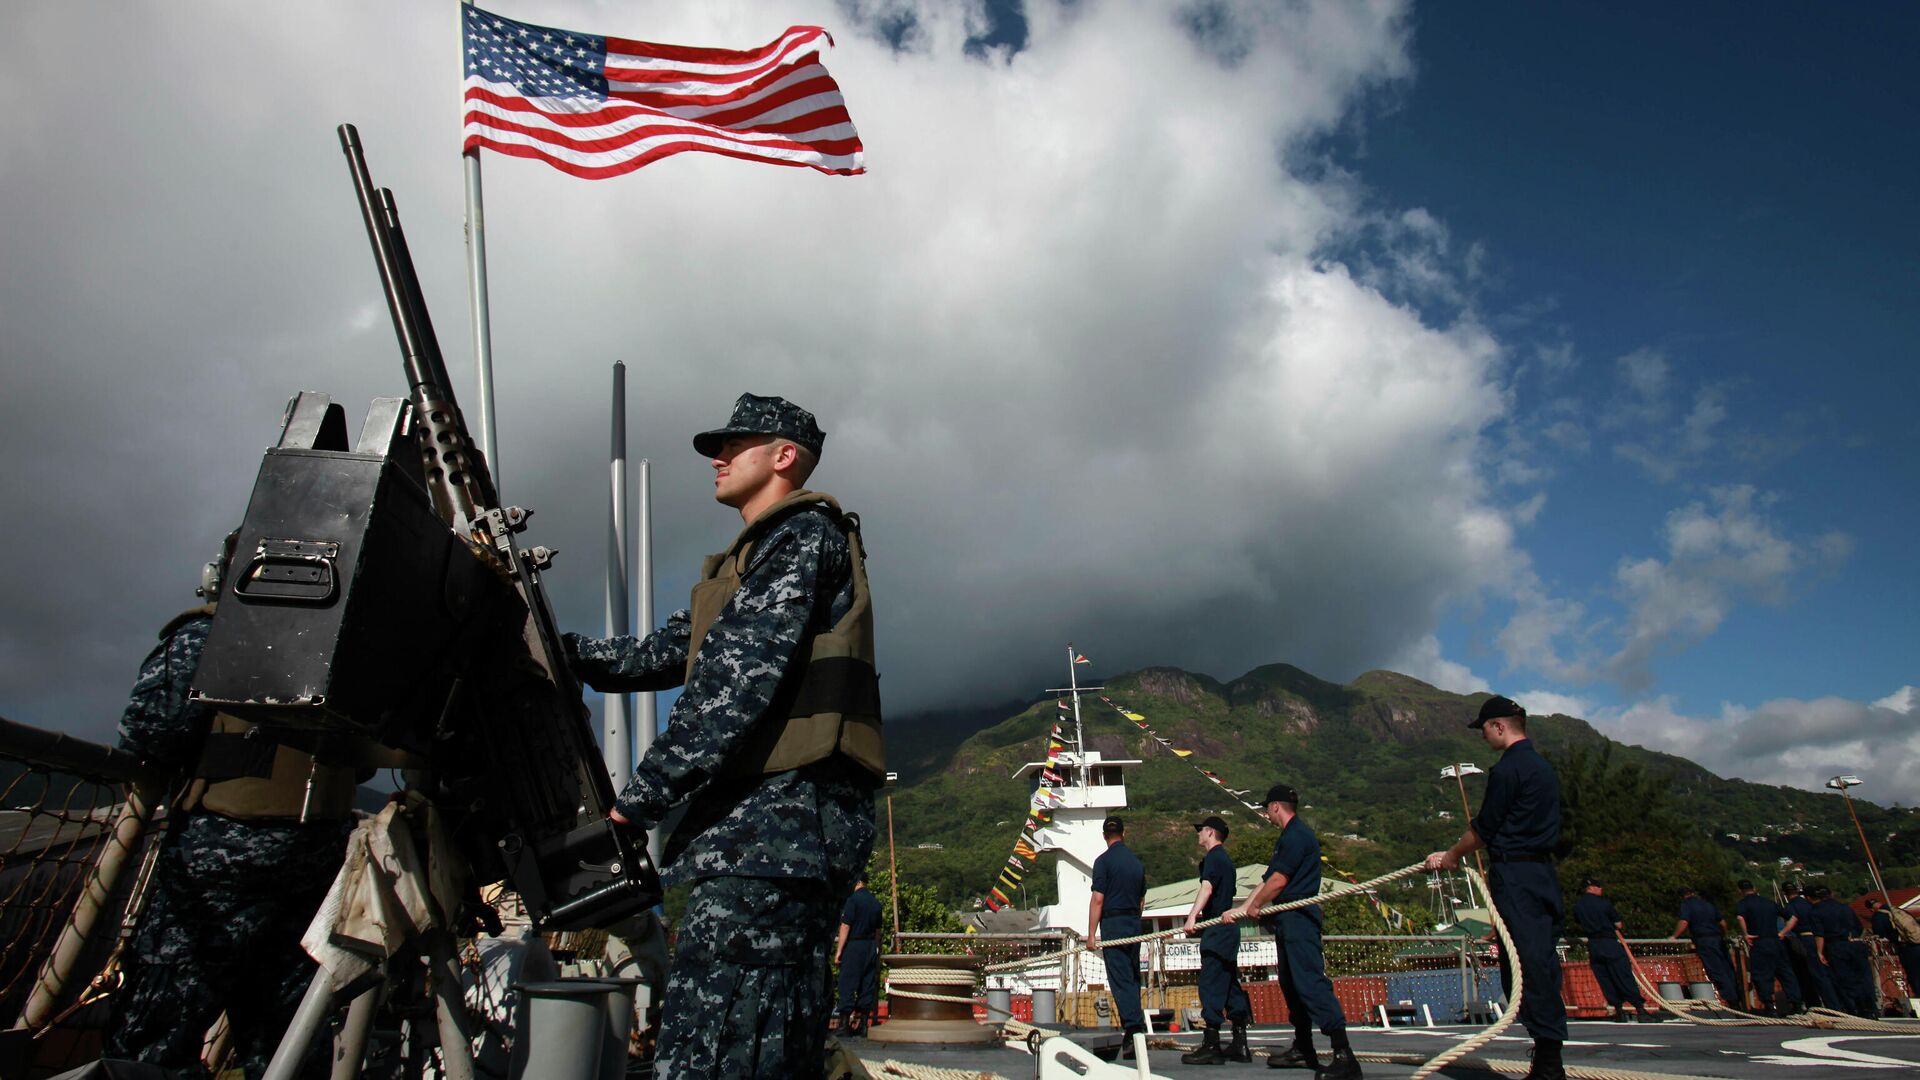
[1121, 881]
[1816, 982]
[1766, 953]
[1299, 962]
[1222, 998]
[1710, 945]
[860, 958]
[1519, 821]
[1599, 919]
[1838, 929]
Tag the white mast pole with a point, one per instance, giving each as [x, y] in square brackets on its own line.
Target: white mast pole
[616, 745]
[646, 706]
[1079, 730]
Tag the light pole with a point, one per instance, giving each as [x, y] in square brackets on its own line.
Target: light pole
[893, 868]
[1841, 784]
[1460, 771]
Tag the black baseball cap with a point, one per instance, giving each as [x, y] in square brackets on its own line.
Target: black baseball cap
[1281, 793]
[1495, 708]
[1112, 825]
[1216, 823]
[1594, 883]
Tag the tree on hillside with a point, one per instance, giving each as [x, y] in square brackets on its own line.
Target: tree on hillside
[921, 910]
[1622, 828]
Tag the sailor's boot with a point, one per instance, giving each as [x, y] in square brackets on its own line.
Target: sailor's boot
[1298, 1056]
[1339, 1064]
[1237, 1049]
[1546, 1061]
[1209, 1051]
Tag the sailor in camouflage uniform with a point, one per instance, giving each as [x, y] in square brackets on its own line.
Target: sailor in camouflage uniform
[773, 747]
[232, 891]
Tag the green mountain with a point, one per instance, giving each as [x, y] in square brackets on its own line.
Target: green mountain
[1366, 757]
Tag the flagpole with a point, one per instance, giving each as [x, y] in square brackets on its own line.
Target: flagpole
[482, 319]
[477, 290]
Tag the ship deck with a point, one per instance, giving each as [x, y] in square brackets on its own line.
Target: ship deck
[1674, 1047]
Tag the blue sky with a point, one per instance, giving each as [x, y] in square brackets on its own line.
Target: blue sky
[1728, 186]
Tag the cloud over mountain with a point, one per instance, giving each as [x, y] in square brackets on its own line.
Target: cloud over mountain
[1799, 743]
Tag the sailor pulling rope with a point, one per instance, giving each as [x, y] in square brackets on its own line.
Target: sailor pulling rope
[1455, 1055]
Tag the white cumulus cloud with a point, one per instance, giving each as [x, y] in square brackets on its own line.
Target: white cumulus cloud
[1800, 743]
[1720, 552]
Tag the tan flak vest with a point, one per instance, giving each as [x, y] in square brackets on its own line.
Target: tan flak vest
[833, 704]
[246, 772]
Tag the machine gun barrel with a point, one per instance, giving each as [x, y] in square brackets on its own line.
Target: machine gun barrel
[455, 472]
[419, 348]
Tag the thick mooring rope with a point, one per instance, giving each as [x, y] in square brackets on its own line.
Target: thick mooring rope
[908, 1070]
[1442, 1059]
[1456, 1055]
[1270, 909]
[1822, 1018]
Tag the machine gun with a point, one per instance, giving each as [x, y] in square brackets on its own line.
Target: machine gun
[379, 593]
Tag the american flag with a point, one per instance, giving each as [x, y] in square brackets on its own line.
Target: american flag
[599, 106]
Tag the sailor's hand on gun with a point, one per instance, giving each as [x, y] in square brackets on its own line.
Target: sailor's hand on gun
[618, 818]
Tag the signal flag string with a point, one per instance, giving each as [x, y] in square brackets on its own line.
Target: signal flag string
[1393, 917]
[1045, 797]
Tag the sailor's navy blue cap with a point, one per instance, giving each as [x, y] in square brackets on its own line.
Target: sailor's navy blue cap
[1497, 708]
[756, 415]
[1217, 823]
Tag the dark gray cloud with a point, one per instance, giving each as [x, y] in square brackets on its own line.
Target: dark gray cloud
[1089, 363]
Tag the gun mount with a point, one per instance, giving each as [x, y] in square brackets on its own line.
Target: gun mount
[378, 592]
